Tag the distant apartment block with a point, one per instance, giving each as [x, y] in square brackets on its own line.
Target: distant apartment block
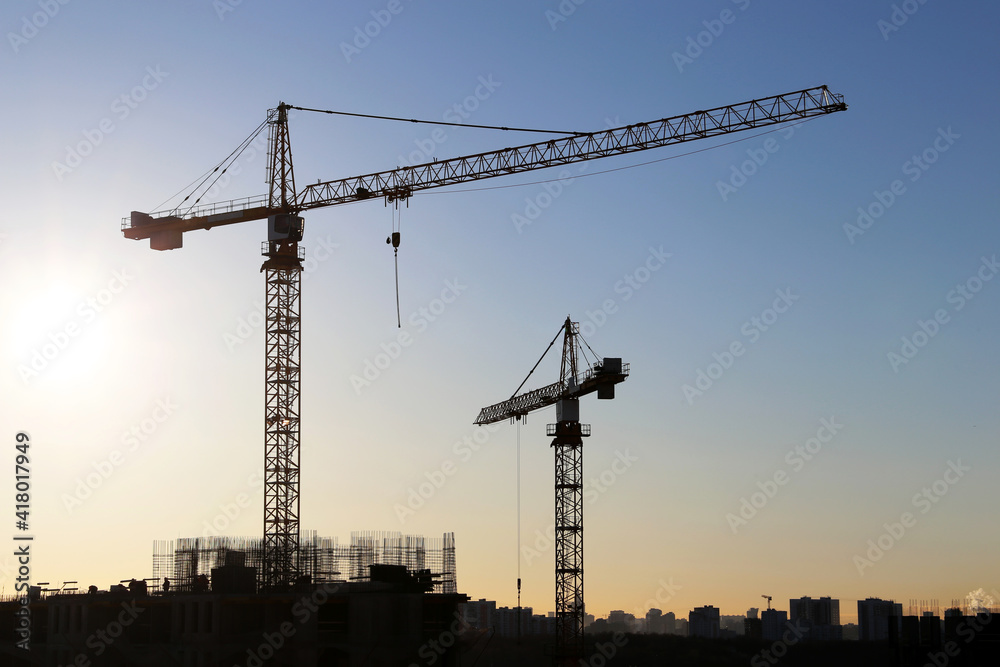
[773, 624]
[704, 622]
[875, 616]
[821, 617]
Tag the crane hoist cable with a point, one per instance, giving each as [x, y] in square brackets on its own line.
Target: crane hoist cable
[393, 238]
[519, 521]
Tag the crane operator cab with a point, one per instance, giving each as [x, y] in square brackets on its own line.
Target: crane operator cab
[285, 227]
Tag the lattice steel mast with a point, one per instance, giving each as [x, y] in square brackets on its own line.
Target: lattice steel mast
[283, 280]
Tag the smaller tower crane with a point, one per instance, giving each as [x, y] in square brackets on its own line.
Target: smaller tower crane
[568, 432]
[768, 598]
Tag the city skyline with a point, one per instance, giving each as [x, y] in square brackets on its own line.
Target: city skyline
[848, 613]
[809, 313]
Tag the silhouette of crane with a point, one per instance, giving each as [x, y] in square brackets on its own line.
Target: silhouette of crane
[568, 434]
[284, 203]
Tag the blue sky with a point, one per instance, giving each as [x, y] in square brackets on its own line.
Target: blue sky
[166, 343]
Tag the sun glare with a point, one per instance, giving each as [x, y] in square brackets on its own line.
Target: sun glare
[60, 333]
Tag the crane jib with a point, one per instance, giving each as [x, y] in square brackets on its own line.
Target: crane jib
[164, 228]
[600, 379]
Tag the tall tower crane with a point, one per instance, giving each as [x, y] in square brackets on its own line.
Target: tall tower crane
[284, 203]
[567, 442]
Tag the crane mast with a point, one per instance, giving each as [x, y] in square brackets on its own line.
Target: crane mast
[283, 204]
[567, 443]
[282, 368]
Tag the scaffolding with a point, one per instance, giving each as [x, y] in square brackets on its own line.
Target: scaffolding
[322, 559]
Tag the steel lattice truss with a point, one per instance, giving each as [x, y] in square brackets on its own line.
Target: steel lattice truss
[576, 148]
[520, 405]
[568, 445]
[404, 181]
[281, 422]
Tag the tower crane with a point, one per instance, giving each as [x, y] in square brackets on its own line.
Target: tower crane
[284, 203]
[768, 598]
[567, 442]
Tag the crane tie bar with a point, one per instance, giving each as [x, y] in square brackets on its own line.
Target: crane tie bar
[433, 122]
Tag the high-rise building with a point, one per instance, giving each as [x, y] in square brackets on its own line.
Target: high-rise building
[773, 624]
[513, 621]
[821, 617]
[753, 628]
[670, 623]
[480, 614]
[654, 622]
[620, 621]
[731, 626]
[875, 616]
[824, 611]
[704, 622]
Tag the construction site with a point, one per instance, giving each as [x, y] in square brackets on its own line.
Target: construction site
[384, 598]
[321, 560]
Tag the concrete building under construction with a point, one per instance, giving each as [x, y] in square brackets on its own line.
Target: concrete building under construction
[383, 599]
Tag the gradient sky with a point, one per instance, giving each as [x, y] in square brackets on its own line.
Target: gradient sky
[112, 107]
